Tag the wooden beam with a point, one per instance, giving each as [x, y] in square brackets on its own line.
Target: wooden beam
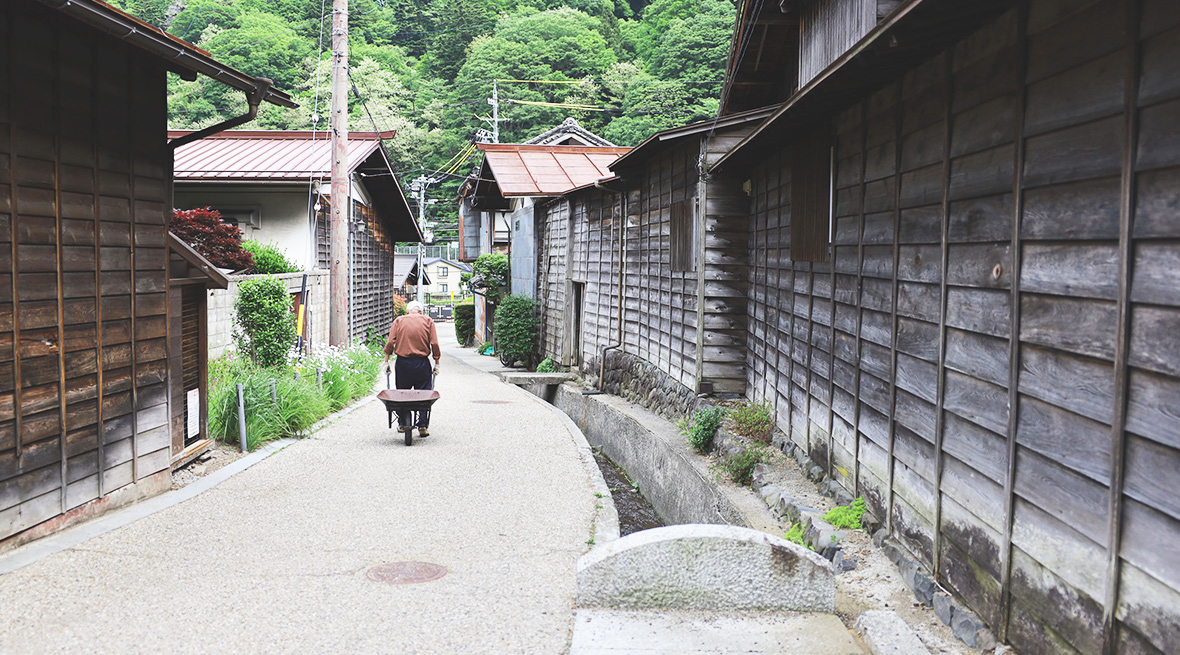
[1014, 322]
[860, 246]
[939, 418]
[1118, 434]
[899, 117]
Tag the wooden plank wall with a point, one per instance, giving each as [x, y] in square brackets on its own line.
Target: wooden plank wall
[552, 250]
[594, 263]
[1003, 341]
[372, 277]
[85, 184]
[827, 28]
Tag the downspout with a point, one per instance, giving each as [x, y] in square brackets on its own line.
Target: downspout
[253, 99]
[622, 268]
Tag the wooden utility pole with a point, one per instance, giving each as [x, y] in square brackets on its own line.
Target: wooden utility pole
[341, 203]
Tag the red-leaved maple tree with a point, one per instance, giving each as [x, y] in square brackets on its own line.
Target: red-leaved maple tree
[217, 241]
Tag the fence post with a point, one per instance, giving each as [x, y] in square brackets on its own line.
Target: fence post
[242, 418]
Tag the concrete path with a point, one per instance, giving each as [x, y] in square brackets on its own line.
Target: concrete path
[274, 559]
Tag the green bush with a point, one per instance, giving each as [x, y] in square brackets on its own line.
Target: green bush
[269, 259]
[753, 420]
[847, 516]
[493, 268]
[702, 428]
[465, 323]
[795, 534]
[547, 366]
[740, 466]
[264, 327]
[486, 348]
[516, 328]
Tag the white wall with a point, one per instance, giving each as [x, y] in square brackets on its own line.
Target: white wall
[282, 213]
[221, 309]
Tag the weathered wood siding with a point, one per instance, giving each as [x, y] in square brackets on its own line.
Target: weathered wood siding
[828, 28]
[85, 185]
[372, 275]
[992, 357]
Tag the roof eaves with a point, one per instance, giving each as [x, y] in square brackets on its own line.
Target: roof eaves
[177, 52]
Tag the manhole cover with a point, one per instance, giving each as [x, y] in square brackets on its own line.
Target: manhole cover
[492, 402]
[406, 572]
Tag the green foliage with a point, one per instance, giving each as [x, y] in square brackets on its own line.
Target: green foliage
[399, 306]
[264, 327]
[795, 534]
[268, 258]
[702, 428]
[465, 323]
[486, 349]
[847, 516]
[547, 366]
[516, 328]
[492, 267]
[300, 403]
[740, 466]
[753, 420]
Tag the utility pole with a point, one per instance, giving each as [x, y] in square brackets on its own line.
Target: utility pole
[495, 112]
[341, 203]
[418, 187]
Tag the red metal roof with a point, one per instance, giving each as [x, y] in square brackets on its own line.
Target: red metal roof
[523, 170]
[267, 155]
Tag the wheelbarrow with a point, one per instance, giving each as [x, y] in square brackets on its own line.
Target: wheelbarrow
[406, 400]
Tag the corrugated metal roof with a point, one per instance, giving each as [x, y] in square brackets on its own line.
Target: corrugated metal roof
[524, 170]
[267, 154]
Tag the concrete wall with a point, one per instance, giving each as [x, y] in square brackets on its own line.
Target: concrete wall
[282, 213]
[221, 305]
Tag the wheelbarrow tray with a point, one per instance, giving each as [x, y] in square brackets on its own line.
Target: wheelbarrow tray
[408, 400]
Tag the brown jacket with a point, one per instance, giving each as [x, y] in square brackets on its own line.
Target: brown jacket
[413, 335]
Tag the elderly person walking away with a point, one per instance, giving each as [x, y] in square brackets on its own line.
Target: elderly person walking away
[413, 338]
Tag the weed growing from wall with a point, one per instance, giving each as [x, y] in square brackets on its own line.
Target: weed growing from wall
[702, 428]
[753, 420]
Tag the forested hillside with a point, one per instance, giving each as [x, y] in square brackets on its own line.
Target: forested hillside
[425, 67]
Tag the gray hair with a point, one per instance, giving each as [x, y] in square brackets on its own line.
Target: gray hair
[413, 306]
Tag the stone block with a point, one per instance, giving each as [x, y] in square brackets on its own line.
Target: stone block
[967, 627]
[879, 537]
[893, 553]
[924, 588]
[767, 490]
[885, 633]
[705, 567]
[843, 497]
[944, 607]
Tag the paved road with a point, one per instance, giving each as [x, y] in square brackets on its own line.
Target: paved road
[273, 560]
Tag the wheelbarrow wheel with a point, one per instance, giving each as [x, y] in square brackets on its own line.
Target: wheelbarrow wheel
[409, 436]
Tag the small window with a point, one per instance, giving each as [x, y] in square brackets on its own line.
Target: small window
[812, 168]
[444, 287]
[442, 271]
[240, 218]
[683, 236]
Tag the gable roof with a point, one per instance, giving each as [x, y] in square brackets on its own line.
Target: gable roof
[405, 270]
[536, 170]
[458, 265]
[666, 138]
[295, 156]
[181, 57]
[569, 129]
[268, 155]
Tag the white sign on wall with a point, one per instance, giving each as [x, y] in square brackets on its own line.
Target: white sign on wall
[193, 428]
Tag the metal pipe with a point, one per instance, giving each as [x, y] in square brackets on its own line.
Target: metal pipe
[242, 419]
[253, 99]
[622, 267]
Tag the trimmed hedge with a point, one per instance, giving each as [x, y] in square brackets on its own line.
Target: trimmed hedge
[465, 323]
[515, 329]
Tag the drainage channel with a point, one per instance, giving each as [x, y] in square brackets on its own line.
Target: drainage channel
[635, 513]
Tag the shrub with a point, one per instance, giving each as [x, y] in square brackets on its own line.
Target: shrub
[515, 328]
[216, 240]
[465, 323]
[492, 268]
[547, 366]
[399, 306]
[486, 348]
[753, 420]
[702, 428]
[268, 258]
[847, 516]
[795, 534]
[740, 466]
[264, 327]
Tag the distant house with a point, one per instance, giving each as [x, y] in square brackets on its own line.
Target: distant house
[444, 276]
[515, 178]
[956, 243]
[275, 186]
[99, 341]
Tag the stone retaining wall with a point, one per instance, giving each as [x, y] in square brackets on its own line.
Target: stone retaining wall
[644, 384]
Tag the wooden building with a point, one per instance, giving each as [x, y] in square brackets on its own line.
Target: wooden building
[86, 382]
[963, 290]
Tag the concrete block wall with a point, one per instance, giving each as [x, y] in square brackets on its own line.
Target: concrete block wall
[221, 309]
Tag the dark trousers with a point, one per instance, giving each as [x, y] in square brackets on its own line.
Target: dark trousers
[413, 373]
